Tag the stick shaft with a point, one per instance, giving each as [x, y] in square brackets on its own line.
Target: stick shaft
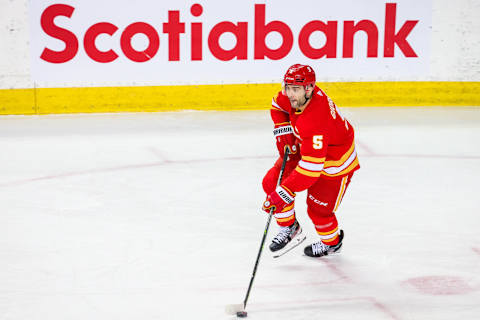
[285, 157]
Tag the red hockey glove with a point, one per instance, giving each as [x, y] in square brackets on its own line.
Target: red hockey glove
[284, 137]
[278, 199]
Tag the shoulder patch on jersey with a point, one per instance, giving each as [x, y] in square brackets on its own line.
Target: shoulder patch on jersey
[319, 91]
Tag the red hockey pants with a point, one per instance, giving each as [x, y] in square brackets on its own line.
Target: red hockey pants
[323, 199]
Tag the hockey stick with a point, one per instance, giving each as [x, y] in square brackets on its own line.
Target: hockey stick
[239, 309]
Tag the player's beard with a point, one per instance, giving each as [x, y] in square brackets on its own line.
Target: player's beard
[298, 103]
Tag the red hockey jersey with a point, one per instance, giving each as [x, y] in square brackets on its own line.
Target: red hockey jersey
[326, 138]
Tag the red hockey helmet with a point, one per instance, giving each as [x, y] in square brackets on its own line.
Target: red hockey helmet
[299, 75]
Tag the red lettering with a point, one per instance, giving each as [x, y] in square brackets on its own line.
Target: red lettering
[400, 38]
[173, 28]
[48, 25]
[240, 31]
[261, 31]
[329, 49]
[196, 41]
[89, 42]
[349, 30]
[126, 38]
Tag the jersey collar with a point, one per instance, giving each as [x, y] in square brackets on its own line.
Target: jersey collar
[306, 105]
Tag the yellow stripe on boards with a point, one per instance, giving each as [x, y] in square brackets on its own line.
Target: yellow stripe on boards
[18, 101]
[229, 97]
[137, 99]
[398, 94]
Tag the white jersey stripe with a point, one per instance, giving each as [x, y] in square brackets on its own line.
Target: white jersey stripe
[276, 106]
[311, 166]
[334, 170]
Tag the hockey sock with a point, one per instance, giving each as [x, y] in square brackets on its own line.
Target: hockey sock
[287, 217]
[327, 229]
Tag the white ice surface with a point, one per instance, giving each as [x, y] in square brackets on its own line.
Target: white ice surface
[156, 216]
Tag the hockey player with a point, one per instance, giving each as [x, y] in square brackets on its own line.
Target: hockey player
[322, 160]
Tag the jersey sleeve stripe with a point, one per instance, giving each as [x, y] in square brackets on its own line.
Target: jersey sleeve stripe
[307, 172]
[332, 172]
[313, 159]
[346, 163]
[310, 166]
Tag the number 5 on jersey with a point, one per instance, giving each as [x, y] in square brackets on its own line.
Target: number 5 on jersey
[318, 142]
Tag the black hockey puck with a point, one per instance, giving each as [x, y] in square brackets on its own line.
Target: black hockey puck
[241, 314]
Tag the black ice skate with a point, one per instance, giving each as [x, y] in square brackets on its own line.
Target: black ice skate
[287, 239]
[319, 249]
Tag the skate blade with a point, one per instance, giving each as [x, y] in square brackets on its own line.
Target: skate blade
[292, 245]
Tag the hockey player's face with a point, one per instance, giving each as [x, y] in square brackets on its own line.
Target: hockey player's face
[296, 95]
